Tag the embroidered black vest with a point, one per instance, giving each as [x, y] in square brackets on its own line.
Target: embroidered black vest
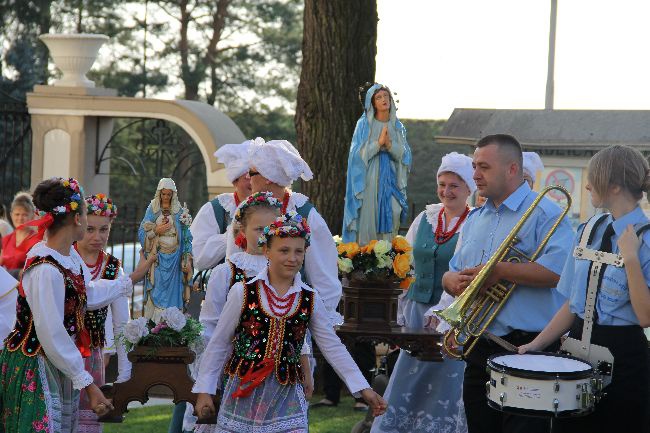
[257, 328]
[24, 336]
[236, 275]
[95, 320]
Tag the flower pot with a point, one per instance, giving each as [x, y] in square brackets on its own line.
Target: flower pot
[74, 54]
[370, 304]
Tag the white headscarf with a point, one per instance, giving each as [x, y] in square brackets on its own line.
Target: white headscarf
[461, 165]
[166, 183]
[235, 158]
[278, 161]
[532, 164]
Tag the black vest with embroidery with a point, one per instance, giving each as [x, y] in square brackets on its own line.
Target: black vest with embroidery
[24, 336]
[95, 320]
[257, 328]
[236, 275]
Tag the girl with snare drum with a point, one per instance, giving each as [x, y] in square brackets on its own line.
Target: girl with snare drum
[618, 176]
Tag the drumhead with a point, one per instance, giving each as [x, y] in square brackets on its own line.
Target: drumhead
[540, 365]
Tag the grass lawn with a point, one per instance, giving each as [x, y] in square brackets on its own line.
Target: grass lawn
[155, 419]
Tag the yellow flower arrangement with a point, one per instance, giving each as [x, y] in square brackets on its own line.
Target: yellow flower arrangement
[378, 260]
[401, 265]
[401, 245]
[350, 249]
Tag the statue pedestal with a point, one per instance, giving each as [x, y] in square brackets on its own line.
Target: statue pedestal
[370, 305]
[152, 366]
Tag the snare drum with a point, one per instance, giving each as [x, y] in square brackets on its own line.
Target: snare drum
[540, 384]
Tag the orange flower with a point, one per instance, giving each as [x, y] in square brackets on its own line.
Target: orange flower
[401, 265]
[401, 245]
[367, 249]
[350, 249]
[406, 283]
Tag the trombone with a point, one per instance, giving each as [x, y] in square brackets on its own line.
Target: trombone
[474, 310]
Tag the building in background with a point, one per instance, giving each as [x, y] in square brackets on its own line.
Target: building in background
[565, 139]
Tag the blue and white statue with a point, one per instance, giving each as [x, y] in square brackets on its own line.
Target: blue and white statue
[378, 168]
[164, 230]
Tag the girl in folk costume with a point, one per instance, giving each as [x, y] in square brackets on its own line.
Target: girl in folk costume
[104, 323]
[253, 214]
[617, 178]
[42, 368]
[274, 166]
[258, 339]
[210, 241]
[427, 396]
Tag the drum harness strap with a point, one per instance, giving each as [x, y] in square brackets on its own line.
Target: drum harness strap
[598, 356]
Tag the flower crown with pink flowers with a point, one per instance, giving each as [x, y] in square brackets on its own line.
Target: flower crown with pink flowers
[101, 205]
[256, 199]
[76, 199]
[289, 225]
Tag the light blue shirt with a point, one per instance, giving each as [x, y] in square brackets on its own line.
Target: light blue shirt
[528, 308]
[613, 302]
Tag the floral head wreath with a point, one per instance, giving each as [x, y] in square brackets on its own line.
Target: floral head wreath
[73, 205]
[76, 199]
[101, 205]
[254, 200]
[289, 225]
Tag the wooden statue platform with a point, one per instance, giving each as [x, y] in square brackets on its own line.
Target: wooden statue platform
[166, 366]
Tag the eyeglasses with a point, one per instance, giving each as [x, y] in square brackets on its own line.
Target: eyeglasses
[252, 173]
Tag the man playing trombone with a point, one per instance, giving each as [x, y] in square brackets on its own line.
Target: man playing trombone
[532, 303]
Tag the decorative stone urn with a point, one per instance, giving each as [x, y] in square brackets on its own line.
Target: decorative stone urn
[74, 55]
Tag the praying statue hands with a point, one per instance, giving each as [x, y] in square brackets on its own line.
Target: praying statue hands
[384, 139]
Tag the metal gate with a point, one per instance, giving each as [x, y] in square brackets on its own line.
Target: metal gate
[15, 147]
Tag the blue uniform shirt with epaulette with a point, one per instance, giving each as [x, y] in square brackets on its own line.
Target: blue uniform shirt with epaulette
[613, 302]
[528, 308]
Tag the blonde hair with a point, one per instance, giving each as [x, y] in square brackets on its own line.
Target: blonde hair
[619, 165]
[23, 199]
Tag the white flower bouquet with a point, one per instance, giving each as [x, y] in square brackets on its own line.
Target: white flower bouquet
[173, 330]
[186, 217]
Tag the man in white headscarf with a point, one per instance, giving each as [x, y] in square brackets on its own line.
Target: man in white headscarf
[212, 236]
[274, 166]
[532, 165]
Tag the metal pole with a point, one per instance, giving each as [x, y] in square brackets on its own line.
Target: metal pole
[550, 74]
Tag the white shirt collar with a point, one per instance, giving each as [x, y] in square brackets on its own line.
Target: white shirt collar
[296, 200]
[72, 261]
[248, 262]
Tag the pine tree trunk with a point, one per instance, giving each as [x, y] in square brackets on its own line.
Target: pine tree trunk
[339, 47]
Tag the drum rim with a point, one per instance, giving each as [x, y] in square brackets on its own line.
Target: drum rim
[540, 375]
[575, 413]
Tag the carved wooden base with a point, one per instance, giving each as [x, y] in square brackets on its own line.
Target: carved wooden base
[370, 305]
[152, 366]
[424, 344]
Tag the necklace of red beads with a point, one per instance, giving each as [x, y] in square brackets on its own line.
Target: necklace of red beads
[279, 306]
[443, 236]
[97, 267]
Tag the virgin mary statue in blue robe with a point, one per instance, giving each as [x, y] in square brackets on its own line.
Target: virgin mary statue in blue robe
[375, 193]
[171, 273]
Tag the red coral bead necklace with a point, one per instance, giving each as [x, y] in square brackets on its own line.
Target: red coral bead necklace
[443, 236]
